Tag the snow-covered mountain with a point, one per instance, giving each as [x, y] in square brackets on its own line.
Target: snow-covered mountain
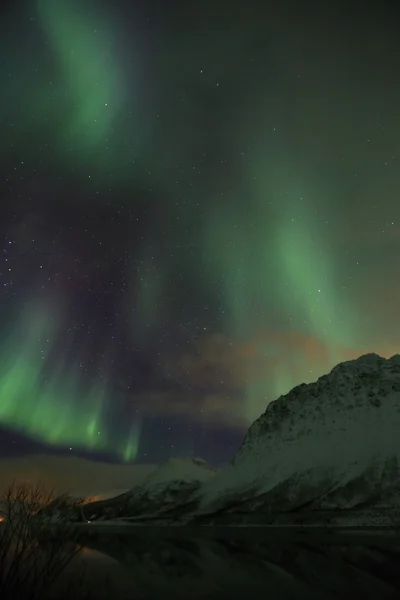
[165, 488]
[326, 446]
[331, 444]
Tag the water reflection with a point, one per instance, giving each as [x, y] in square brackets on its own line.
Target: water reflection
[250, 564]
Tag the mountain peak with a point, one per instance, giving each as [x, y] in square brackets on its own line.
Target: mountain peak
[174, 469]
[321, 435]
[366, 362]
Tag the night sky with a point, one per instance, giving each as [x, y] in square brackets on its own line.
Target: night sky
[199, 209]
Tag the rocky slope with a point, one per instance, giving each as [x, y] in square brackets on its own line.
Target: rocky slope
[65, 507]
[331, 444]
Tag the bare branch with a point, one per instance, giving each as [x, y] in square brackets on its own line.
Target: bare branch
[34, 546]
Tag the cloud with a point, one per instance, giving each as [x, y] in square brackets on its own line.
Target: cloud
[230, 382]
[214, 362]
[71, 474]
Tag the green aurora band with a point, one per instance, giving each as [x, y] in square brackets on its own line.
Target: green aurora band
[263, 254]
[56, 408]
[259, 272]
[90, 79]
[77, 94]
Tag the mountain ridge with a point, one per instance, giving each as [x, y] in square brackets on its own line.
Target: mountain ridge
[328, 446]
[170, 484]
[318, 439]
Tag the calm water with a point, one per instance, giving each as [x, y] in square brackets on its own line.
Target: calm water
[151, 563]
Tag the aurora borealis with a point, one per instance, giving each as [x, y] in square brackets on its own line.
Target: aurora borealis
[198, 212]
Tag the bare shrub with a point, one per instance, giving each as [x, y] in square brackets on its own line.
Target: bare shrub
[34, 543]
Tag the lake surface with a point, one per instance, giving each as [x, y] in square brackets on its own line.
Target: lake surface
[149, 563]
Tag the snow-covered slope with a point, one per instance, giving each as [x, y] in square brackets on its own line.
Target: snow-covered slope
[178, 469]
[169, 485]
[334, 443]
[63, 507]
